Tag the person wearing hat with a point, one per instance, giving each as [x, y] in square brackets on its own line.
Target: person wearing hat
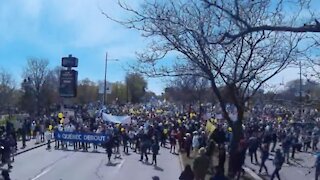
[201, 165]
[188, 144]
[195, 142]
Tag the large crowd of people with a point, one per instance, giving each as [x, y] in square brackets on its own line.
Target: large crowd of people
[199, 133]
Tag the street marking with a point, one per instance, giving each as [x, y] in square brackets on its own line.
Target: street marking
[41, 174]
[253, 174]
[121, 163]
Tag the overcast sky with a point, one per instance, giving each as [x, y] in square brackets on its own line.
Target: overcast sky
[52, 29]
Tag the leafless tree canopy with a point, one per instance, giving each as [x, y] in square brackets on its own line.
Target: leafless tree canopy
[197, 32]
[274, 15]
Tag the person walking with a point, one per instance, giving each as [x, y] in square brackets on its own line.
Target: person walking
[317, 166]
[155, 151]
[201, 165]
[286, 144]
[48, 138]
[187, 173]
[188, 144]
[253, 147]
[264, 158]
[277, 162]
[109, 146]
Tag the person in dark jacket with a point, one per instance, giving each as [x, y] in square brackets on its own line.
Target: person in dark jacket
[7, 151]
[278, 162]
[253, 147]
[201, 165]
[5, 175]
[188, 144]
[264, 158]
[155, 151]
[222, 157]
[274, 139]
[219, 175]
[187, 174]
[109, 146]
[218, 135]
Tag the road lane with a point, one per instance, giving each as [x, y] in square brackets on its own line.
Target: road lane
[40, 164]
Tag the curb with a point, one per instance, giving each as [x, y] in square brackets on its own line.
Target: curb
[35, 147]
[251, 173]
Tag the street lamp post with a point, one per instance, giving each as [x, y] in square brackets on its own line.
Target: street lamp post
[105, 79]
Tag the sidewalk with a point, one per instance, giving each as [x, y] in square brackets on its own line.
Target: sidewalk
[30, 145]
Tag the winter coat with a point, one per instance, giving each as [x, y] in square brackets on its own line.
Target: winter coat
[201, 164]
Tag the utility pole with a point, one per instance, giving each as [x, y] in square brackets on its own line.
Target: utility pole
[105, 80]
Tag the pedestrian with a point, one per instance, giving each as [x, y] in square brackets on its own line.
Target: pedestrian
[187, 173]
[5, 174]
[155, 151]
[274, 139]
[48, 138]
[315, 141]
[195, 143]
[201, 165]
[286, 144]
[7, 151]
[188, 144]
[317, 166]
[264, 158]
[173, 142]
[219, 175]
[222, 157]
[253, 147]
[125, 142]
[143, 150]
[109, 146]
[277, 162]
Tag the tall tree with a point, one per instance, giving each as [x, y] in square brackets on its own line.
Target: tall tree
[136, 87]
[49, 94]
[7, 90]
[35, 74]
[87, 92]
[189, 29]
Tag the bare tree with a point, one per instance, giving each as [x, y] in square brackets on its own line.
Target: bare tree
[189, 28]
[7, 89]
[35, 74]
[282, 15]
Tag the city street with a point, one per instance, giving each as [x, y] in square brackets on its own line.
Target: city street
[41, 164]
[298, 169]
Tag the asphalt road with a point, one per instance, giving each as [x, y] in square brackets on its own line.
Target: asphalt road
[298, 169]
[41, 164]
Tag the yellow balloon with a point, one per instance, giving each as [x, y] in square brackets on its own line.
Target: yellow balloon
[229, 129]
[50, 127]
[60, 115]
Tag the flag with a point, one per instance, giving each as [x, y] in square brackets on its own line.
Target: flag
[210, 127]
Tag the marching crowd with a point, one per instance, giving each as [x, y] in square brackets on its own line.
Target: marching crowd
[268, 130]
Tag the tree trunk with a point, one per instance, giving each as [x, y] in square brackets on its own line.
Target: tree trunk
[237, 135]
